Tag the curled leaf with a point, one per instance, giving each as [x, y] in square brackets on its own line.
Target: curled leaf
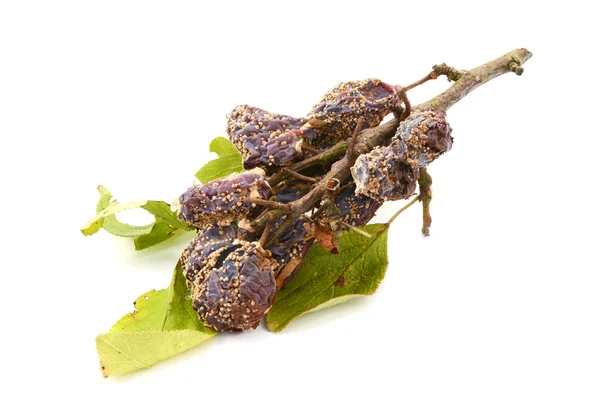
[165, 226]
[229, 161]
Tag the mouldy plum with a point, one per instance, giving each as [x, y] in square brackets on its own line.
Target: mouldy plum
[208, 240]
[264, 138]
[423, 137]
[235, 288]
[290, 249]
[383, 175]
[391, 172]
[356, 210]
[335, 116]
[220, 200]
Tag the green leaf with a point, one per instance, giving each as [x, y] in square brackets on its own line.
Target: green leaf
[163, 325]
[160, 232]
[163, 210]
[229, 161]
[168, 309]
[95, 224]
[165, 226]
[121, 353]
[105, 216]
[326, 279]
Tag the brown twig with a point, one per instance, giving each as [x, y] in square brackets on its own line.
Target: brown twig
[406, 101]
[310, 149]
[350, 152]
[299, 176]
[265, 233]
[476, 77]
[325, 159]
[267, 203]
[266, 217]
[450, 72]
[431, 76]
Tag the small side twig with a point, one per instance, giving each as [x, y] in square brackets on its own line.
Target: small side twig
[265, 233]
[351, 151]
[299, 176]
[325, 159]
[267, 216]
[267, 203]
[406, 101]
[431, 76]
[310, 149]
[450, 72]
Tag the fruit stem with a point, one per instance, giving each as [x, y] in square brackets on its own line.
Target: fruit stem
[425, 194]
[396, 214]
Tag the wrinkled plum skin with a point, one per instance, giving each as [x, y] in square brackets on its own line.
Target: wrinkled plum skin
[391, 172]
[336, 115]
[356, 210]
[209, 239]
[220, 199]
[265, 139]
[235, 288]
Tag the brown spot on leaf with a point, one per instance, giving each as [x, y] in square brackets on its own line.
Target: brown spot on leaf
[340, 281]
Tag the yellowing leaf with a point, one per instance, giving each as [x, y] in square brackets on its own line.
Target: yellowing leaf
[163, 325]
[229, 160]
[121, 353]
[326, 279]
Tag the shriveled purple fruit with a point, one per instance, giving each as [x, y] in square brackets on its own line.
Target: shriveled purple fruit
[335, 116]
[391, 172]
[290, 249]
[235, 288]
[356, 210]
[423, 137]
[220, 200]
[265, 139]
[209, 239]
[383, 174]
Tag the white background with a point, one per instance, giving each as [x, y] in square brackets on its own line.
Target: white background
[496, 314]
